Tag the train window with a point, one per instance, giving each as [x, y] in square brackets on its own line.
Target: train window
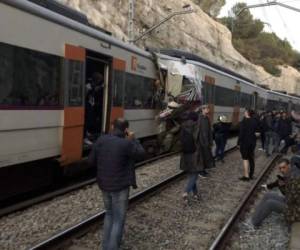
[139, 92]
[29, 78]
[224, 97]
[208, 92]
[118, 88]
[246, 100]
[75, 81]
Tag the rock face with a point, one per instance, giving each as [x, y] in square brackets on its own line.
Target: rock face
[196, 32]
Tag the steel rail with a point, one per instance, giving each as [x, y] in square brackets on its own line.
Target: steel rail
[48, 196]
[99, 217]
[221, 240]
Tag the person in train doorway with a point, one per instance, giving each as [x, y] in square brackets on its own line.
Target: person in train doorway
[247, 143]
[220, 134]
[114, 155]
[286, 201]
[188, 160]
[205, 142]
[89, 114]
[98, 83]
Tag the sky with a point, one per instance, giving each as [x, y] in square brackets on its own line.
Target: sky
[284, 22]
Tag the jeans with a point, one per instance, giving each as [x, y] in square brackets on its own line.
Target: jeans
[272, 142]
[220, 146]
[271, 202]
[115, 204]
[192, 183]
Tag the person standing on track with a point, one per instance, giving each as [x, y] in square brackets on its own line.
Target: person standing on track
[114, 155]
[205, 142]
[220, 134]
[188, 160]
[247, 143]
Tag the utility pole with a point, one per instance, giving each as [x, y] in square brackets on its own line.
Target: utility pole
[187, 9]
[130, 20]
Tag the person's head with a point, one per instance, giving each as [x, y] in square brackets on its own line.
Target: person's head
[97, 78]
[222, 118]
[121, 125]
[278, 115]
[205, 109]
[248, 113]
[284, 166]
[284, 115]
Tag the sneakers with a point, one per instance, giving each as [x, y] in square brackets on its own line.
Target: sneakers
[249, 227]
[244, 178]
[203, 174]
[87, 142]
[185, 198]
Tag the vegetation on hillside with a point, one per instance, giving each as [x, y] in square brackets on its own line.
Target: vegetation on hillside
[211, 7]
[259, 47]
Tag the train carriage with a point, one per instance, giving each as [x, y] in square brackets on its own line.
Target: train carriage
[49, 53]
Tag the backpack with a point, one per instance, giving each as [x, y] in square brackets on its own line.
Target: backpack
[187, 141]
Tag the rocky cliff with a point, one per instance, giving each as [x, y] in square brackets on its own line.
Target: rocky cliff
[196, 32]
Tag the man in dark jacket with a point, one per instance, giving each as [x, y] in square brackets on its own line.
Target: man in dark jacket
[285, 132]
[269, 133]
[114, 155]
[287, 202]
[204, 142]
[247, 143]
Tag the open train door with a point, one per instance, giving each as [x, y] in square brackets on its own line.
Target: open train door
[97, 72]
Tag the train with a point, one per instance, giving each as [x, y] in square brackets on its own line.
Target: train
[48, 52]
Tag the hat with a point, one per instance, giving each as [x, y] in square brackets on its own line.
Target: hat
[223, 118]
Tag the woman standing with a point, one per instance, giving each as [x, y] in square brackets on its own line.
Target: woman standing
[247, 143]
[188, 161]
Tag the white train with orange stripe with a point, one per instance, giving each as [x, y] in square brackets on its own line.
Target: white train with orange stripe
[47, 54]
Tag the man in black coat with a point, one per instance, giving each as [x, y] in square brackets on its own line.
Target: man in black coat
[285, 132]
[114, 155]
[247, 143]
[204, 142]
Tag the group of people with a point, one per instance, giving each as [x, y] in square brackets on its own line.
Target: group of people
[276, 132]
[115, 153]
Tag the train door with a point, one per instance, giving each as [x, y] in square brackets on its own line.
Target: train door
[236, 109]
[290, 106]
[209, 95]
[96, 97]
[254, 101]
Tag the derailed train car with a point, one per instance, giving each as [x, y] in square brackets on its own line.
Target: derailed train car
[47, 54]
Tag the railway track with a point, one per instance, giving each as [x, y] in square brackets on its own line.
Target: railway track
[223, 238]
[60, 239]
[50, 195]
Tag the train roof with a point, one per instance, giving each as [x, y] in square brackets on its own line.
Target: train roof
[64, 10]
[189, 56]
